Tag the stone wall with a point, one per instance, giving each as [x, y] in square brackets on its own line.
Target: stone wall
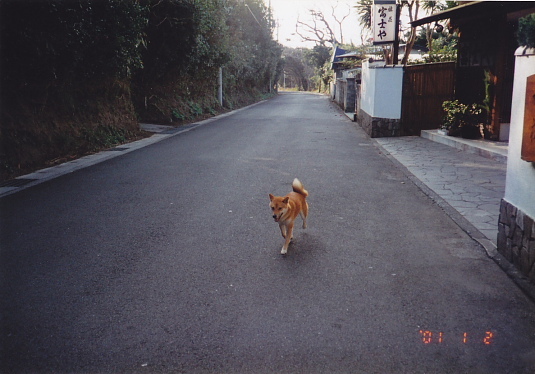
[345, 94]
[516, 238]
[340, 92]
[357, 99]
[379, 127]
[350, 96]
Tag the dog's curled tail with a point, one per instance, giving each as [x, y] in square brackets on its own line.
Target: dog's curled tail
[298, 187]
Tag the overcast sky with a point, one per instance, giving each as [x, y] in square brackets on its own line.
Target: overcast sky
[286, 12]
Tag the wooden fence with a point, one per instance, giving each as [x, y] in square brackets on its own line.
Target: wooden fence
[425, 88]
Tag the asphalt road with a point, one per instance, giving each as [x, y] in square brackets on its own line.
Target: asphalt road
[167, 260]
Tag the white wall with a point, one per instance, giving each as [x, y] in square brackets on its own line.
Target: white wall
[367, 89]
[520, 181]
[381, 90]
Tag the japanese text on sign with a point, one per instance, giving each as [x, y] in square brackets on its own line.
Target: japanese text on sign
[384, 23]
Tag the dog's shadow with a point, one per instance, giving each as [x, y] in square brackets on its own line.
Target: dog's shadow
[304, 246]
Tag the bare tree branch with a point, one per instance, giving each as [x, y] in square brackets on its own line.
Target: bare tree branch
[319, 15]
[340, 21]
[318, 36]
[318, 29]
[414, 7]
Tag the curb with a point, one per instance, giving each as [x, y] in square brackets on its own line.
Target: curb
[494, 150]
[40, 176]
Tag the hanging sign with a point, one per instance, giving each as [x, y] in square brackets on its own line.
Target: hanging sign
[384, 22]
[528, 135]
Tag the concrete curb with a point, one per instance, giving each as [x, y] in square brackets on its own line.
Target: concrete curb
[29, 180]
[493, 150]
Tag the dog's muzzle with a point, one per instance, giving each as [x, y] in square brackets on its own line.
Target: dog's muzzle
[276, 218]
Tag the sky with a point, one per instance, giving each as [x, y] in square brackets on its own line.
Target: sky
[286, 13]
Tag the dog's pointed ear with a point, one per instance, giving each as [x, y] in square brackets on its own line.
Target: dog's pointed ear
[271, 197]
[285, 201]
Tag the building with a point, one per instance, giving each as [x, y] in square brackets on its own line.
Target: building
[487, 44]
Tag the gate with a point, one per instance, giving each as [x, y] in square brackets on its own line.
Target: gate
[425, 88]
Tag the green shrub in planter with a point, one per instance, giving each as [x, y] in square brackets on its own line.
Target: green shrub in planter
[462, 120]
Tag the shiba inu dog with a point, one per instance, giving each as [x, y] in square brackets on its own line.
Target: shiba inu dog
[285, 210]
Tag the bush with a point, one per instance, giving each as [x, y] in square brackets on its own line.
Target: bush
[79, 74]
[69, 40]
[462, 119]
[526, 31]
[188, 41]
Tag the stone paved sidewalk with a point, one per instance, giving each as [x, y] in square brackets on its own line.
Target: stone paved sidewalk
[473, 185]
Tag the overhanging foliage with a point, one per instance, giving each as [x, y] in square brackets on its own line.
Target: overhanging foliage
[72, 67]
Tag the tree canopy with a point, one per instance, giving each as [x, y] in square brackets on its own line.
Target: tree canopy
[71, 68]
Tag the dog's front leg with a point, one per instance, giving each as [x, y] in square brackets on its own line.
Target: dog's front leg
[283, 230]
[288, 237]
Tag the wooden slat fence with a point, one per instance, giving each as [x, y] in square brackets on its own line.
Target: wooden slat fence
[425, 87]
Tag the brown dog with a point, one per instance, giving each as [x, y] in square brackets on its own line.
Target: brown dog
[285, 210]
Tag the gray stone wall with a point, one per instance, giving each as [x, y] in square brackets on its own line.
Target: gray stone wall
[340, 92]
[516, 238]
[357, 98]
[379, 127]
[350, 96]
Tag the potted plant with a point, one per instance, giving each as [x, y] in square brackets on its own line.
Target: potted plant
[462, 120]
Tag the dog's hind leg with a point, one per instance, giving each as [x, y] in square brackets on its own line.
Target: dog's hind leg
[304, 213]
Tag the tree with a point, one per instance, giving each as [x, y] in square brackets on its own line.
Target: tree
[364, 10]
[526, 31]
[296, 68]
[189, 41]
[77, 74]
[254, 54]
[412, 9]
[319, 58]
[430, 7]
[307, 69]
[319, 30]
[65, 70]
[318, 55]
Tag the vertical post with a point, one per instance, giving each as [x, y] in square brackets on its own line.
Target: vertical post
[220, 86]
[396, 40]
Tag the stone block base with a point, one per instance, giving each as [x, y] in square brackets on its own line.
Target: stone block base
[379, 127]
[516, 238]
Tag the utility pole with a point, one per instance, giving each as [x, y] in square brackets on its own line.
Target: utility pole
[220, 86]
